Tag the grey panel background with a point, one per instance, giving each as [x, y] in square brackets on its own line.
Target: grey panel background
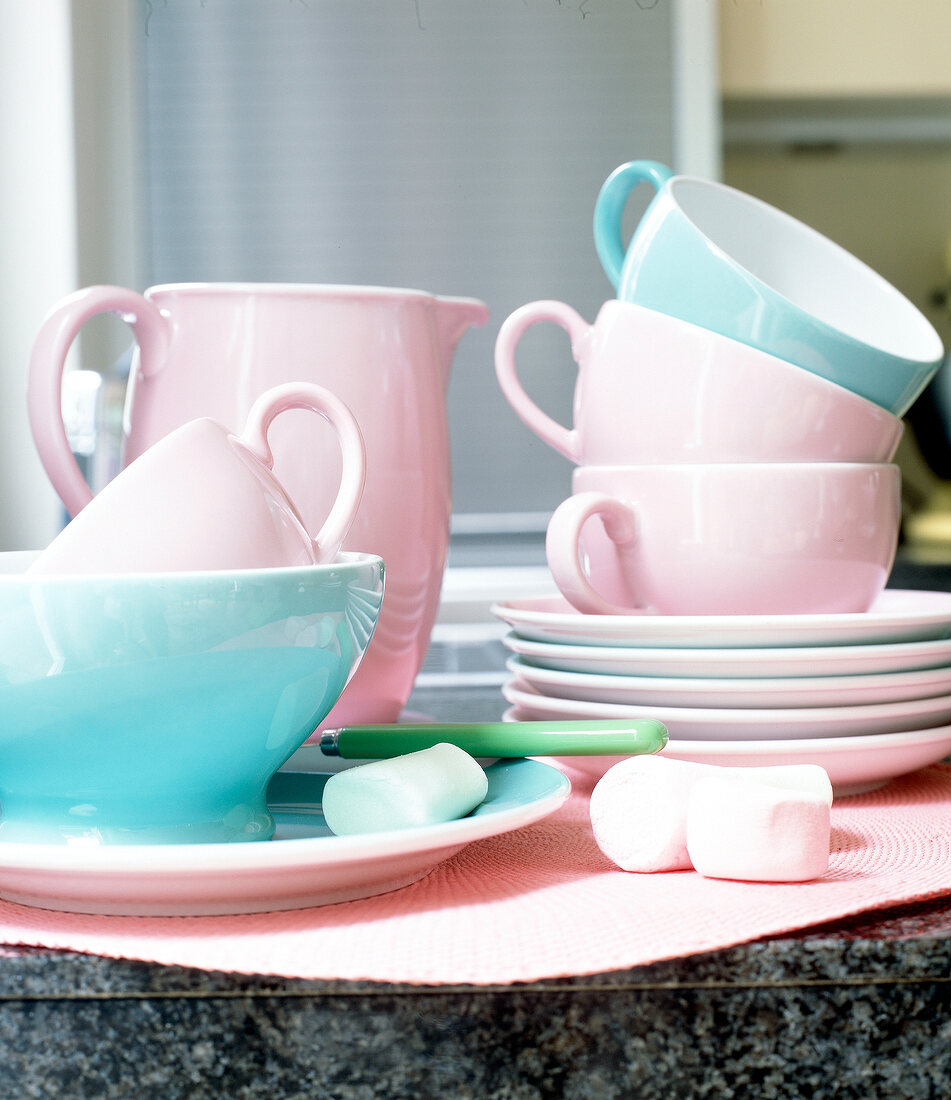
[455, 146]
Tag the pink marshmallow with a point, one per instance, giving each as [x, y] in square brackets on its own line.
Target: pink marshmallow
[757, 832]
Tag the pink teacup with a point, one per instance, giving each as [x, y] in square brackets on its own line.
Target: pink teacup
[202, 498]
[745, 539]
[655, 389]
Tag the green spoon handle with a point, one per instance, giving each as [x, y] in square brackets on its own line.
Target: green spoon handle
[637, 736]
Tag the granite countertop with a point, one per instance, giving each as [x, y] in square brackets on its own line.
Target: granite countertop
[859, 1008]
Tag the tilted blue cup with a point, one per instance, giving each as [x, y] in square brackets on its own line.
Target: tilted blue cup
[726, 261]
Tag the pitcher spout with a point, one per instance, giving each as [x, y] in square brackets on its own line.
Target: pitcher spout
[453, 317]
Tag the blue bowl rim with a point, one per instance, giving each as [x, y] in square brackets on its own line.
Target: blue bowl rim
[345, 561]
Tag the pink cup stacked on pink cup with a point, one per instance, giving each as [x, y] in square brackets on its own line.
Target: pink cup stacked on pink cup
[727, 480]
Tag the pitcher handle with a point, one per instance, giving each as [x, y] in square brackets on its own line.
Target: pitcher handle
[59, 329]
[563, 551]
[609, 208]
[305, 395]
[562, 439]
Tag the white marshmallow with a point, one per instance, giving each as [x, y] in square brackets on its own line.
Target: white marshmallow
[792, 777]
[757, 832]
[426, 787]
[639, 811]
[639, 807]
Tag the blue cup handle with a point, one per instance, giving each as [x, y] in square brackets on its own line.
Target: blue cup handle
[609, 208]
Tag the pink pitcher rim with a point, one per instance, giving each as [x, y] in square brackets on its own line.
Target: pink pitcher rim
[347, 290]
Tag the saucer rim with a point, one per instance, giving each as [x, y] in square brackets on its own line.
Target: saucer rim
[531, 617]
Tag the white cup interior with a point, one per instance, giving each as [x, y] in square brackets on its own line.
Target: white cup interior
[807, 269]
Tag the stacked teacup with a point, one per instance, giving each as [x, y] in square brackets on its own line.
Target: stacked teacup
[736, 412]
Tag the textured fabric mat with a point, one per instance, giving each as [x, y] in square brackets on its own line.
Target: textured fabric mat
[541, 902]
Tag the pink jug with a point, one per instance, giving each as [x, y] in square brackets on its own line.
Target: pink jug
[210, 350]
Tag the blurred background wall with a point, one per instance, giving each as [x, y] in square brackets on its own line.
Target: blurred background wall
[445, 145]
[453, 146]
[840, 114]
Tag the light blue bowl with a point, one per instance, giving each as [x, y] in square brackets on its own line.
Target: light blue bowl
[728, 262]
[155, 708]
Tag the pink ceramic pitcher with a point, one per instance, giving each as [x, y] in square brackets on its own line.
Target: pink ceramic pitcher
[209, 350]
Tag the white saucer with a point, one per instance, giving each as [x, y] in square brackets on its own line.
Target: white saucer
[827, 660]
[897, 615]
[807, 691]
[854, 764]
[302, 867]
[742, 724]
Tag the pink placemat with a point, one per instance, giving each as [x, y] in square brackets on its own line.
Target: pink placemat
[541, 902]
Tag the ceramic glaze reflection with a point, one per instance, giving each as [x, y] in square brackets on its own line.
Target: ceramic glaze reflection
[151, 708]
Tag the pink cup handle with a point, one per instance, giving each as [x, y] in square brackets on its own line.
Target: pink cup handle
[562, 547]
[48, 361]
[305, 395]
[562, 439]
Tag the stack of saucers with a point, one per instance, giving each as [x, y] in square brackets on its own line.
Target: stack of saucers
[866, 695]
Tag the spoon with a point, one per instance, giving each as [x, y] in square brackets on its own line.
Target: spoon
[635, 737]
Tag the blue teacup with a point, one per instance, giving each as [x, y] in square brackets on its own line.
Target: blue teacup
[721, 259]
[152, 708]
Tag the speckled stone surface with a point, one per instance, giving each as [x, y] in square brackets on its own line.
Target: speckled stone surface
[857, 1009]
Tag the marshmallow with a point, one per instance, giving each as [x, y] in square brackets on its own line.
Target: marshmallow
[757, 832]
[639, 810]
[808, 778]
[427, 787]
[639, 807]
